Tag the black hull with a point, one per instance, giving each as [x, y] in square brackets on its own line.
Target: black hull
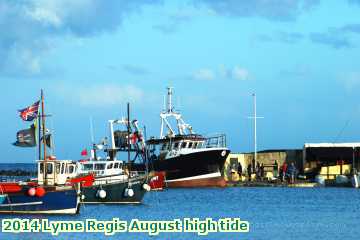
[115, 192]
[198, 169]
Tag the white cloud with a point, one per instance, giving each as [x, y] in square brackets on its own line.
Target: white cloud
[240, 73]
[237, 73]
[204, 74]
[102, 95]
[350, 81]
[29, 25]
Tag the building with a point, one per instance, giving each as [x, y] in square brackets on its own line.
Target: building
[331, 159]
[267, 158]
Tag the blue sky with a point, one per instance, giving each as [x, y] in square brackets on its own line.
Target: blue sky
[92, 56]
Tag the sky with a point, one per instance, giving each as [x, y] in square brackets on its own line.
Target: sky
[91, 57]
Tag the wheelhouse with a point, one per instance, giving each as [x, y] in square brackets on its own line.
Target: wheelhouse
[56, 172]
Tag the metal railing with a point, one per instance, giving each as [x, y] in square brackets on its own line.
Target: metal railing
[215, 141]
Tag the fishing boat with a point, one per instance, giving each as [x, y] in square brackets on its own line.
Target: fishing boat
[114, 179]
[45, 195]
[187, 159]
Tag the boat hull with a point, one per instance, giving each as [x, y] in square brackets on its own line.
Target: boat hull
[197, 169]
[115, 192]
[53, 202]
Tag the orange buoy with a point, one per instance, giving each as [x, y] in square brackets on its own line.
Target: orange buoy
[31, 192]
[40, 192]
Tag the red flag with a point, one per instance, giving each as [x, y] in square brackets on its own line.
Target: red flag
[30, 113]
[84, 152]
[134, 138]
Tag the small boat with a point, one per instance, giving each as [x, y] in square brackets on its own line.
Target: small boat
[38, 197]
[114, 180]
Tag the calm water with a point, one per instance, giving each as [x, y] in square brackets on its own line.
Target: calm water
[273, 213]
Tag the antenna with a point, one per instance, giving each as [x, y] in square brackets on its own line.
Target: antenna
[91, 130]
[169, 100]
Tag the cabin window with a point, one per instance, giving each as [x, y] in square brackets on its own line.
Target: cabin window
[164, 147]
[110, 166]
[62, 168]
[88, 167]
[71, 169]
[41, 167]
[200, 145]
[49, 168]
[176, 145]
[183, 145]
[120, 165]
[116, 165]
[57, 168]
[190, 144]
[195, 144]
[100, 166]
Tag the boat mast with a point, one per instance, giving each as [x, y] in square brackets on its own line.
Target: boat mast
[43, 123]
[128, 133]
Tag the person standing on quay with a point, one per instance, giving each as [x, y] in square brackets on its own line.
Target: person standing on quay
[276, 169]
[283, 171]
[249, 168]
[239, 170]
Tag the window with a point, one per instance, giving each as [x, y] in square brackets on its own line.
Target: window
[41, 167]
[49, 168]
[110, 166]
[164, 147]
[57, 168]
[71, 169]
[190, 144]
[88, 167]
[176, 145]
[183, 145]
[116, 165]
[200, 145]
[100, 166]
[195, 144]
[62, 168]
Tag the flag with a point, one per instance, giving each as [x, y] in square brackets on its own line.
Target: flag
[47, 138]
[26, 137]
[30, 113]
[134, 138]
[84, 153]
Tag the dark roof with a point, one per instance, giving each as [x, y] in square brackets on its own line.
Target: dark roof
[193, 137]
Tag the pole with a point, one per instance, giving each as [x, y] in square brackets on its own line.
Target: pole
[255, 143]
[255, 117]
[43, 122]
[128, 132]
[39, 135]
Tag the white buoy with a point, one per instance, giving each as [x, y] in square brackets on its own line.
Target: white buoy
[101, 193]
[320, 180]
[129, 192]
[82, 197]
[146, 187]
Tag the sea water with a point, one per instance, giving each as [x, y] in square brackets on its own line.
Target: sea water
[272, 213]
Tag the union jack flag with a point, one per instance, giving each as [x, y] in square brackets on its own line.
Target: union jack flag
[30, 113]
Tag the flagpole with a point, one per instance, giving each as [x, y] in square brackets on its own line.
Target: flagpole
[39, 137]
[43, 136]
